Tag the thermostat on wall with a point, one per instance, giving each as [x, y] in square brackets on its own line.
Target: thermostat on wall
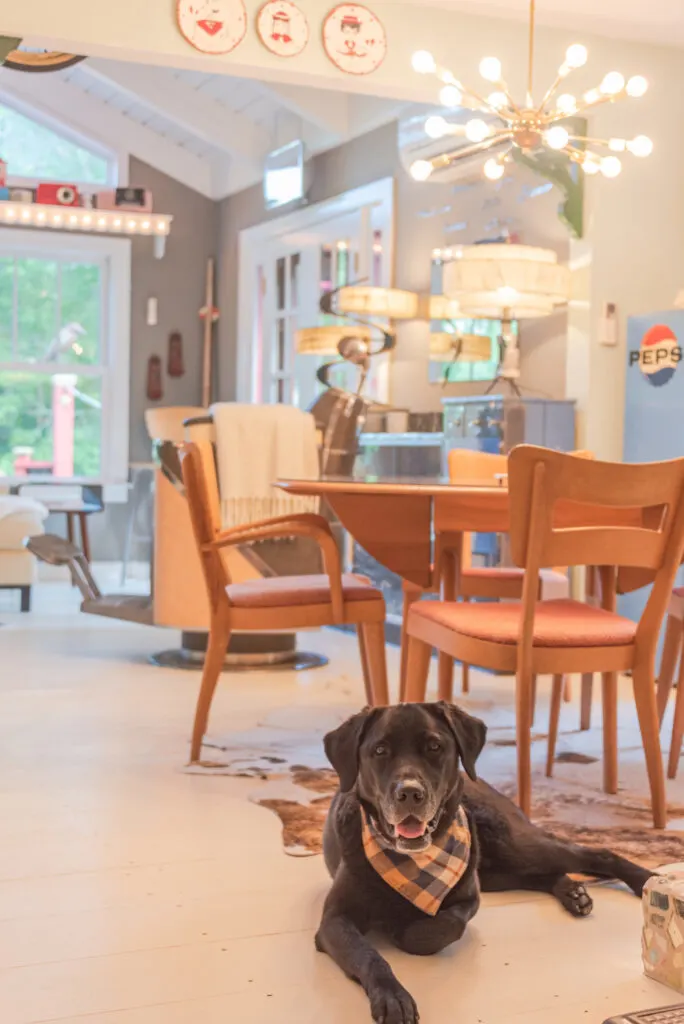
[608, 325]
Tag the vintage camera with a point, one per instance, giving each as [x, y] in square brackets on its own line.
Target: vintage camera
[53, 194]
[22, 195]
[137, 200]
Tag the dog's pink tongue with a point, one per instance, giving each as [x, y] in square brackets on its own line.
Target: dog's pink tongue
[411, 828]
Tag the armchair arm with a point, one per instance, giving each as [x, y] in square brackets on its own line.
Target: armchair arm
[304, 525]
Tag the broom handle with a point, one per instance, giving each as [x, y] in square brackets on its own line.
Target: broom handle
[208, 329]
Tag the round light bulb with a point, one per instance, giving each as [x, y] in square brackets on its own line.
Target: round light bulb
[421, 170]
[636, 86]
[640, 146]
[611, 166]
[436, 127]
[613, 83]
[590, 165]
[498, 100]
[476, 129]
[591, 96]
[493, 169]
[557, 137]
[576, 55]
[566, 103]
[490, 69]
[423, 62]
[450, 96]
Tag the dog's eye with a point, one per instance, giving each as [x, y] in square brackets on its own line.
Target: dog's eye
[381, 750]
[433, 746]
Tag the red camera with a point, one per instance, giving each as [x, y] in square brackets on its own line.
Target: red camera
[54, 194]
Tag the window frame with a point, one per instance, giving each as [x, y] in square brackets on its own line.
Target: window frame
[114, 366]
[117, 160]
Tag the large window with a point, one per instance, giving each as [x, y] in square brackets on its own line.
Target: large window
[34, 150]
[64, 323]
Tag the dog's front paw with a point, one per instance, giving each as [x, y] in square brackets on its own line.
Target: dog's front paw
[574, 897]
[392, 1004]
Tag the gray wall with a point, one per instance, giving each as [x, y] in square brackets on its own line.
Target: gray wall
[178, 282]
[375, 156]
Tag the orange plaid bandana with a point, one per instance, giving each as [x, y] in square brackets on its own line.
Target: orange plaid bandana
[424, 879]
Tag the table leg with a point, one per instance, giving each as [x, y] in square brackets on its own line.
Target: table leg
[70, 526]
[85, 540]
[445, 663]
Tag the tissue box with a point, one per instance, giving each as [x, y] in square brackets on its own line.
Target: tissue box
[662, 941]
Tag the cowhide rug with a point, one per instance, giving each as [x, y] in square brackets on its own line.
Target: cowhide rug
[284, 757]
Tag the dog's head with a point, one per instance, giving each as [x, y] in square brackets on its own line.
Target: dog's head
[405, 763]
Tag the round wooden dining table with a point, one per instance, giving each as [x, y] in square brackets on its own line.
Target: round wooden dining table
[397, 519]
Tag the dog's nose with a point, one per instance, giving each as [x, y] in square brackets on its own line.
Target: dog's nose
[411, 793]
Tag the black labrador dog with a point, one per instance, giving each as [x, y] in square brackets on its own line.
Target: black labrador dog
[410, 843]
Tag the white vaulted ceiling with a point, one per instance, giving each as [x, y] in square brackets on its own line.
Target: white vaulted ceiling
[210, 131]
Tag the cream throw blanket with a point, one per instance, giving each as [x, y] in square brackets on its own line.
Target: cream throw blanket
[14, 505]
[256, 445]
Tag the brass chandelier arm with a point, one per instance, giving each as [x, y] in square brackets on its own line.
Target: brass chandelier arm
[530, 54]
[447, 159]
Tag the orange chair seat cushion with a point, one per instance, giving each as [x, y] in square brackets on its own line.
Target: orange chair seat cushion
[561, 623]
[284, 591]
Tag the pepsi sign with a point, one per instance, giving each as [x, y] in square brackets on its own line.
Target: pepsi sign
[658, 355]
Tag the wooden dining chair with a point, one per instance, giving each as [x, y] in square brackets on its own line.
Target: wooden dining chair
[566, 511]
[460, 578]
[274, 603]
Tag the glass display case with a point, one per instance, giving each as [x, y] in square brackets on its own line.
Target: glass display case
[409, 454]
[497, 423]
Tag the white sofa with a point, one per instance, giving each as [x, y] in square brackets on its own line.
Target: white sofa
[19, 518]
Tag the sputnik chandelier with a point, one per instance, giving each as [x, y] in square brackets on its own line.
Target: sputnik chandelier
[530, 127]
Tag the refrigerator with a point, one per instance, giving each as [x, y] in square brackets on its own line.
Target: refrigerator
[654, 403]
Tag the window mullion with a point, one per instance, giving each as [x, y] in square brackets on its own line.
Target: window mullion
[15, 307]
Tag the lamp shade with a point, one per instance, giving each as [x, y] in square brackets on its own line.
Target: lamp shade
[371, 301]
[323, 341]
[443, 308]
[467, 348]
[514, 281]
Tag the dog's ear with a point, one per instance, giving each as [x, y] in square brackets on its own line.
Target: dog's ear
[470, 734]
[342, 747]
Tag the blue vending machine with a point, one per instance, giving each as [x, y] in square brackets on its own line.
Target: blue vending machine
[654, 401]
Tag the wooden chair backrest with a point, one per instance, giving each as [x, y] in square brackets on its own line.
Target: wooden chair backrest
[466, 464]
[569, 511]
[165, 423]
[201, 488]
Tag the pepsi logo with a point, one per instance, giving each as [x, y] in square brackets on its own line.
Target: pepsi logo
[658, 355]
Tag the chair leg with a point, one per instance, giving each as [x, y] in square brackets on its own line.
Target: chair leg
[523, 700]
[567, 689]
[219, 638]
[533, 701]
[610, 731]
[445, 677]
[417, 669]
[677, 726]
[647, 710]
[363, 654]
[25, 599]
[554, 719]
[465, 678]
[410, 597]
[672, 645]
[374, 643]
[585, 700]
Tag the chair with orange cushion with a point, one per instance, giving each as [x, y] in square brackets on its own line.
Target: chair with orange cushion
[274, 603]
[474, 582]
[571, 512]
